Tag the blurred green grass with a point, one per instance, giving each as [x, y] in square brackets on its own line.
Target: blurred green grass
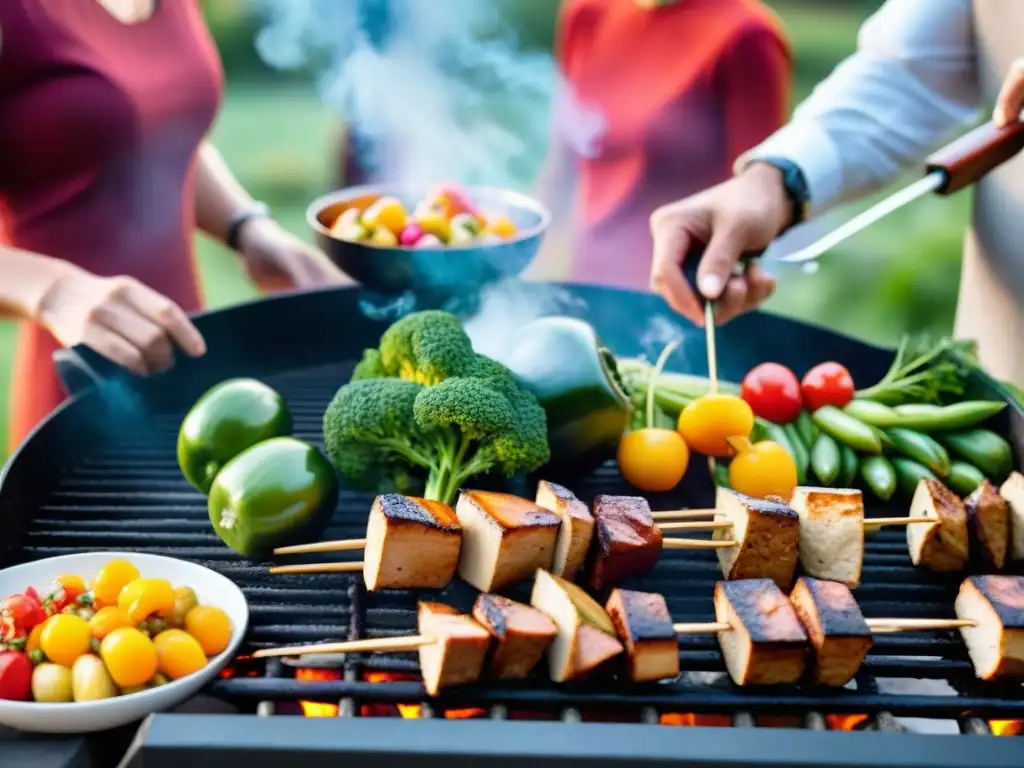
[899, 276]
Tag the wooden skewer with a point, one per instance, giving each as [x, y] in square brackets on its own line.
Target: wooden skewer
[379, 644]
[352, 567]
[696, 544]
[701, 628]
[339, 545]
[684, 514]
[876, 522]
[696, 525]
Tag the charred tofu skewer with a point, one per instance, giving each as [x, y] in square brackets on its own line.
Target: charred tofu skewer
[942, 545]
[410, 543]
[988, 527]
[764, 636]
[1013, 492]
[521, 634]
[765, 539]
[452, 647]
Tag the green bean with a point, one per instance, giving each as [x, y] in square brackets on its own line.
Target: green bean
[847, 430]
[921, 448]
[806, 429]
[879, 476]
[964, 478]
[800, 452]
[909, 474]
[849, 464]
[872, 413]
[937, 418]
[826, 459]
[984, 449]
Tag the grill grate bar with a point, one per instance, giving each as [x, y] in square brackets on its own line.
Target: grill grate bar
[974, 726]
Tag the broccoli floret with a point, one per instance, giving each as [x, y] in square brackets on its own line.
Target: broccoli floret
[370, 433]
[426, 347]
[370, 367]
[446, 433]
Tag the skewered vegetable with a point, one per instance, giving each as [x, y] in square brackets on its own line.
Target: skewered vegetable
[762, 469]
[773, 393]
[826, 384]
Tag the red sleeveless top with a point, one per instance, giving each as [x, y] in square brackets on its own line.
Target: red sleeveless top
[99, 126]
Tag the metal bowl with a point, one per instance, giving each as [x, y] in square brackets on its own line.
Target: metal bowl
[444, 268]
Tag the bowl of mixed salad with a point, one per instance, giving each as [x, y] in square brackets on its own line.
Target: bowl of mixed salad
[97, 640]
[447, 237]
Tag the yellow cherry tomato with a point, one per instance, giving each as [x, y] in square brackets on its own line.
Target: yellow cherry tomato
[762, 469]
[178, 654]
[130, 657]
[210, 626]
[73, 586]
[502, 226]
[435, 222]
[383, 237]
[107, 619]
[143, 598]
[349, 226]
[387, 213]
[64, 638]
[653, 459]
[108, 583]
[34, 638]
[708, 421]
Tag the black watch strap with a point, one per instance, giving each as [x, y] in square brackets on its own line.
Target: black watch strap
[795, 183]
[240, 219]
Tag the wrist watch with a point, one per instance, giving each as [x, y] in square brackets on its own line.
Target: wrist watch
[795, 184]
[257, 210]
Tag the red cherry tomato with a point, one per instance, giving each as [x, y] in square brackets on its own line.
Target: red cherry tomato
[19, 614]
[773, 392]
[827, 384]
[15, 676]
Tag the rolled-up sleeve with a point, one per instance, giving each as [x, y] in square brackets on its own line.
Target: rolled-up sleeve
[912, 83]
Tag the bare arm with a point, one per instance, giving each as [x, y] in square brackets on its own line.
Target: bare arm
[219, 196]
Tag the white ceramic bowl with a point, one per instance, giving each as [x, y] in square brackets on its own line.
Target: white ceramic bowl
[210, 587]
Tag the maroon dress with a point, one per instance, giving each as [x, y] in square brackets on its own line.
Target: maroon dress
[100, 123]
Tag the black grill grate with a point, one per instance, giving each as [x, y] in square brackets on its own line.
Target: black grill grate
[126, 492]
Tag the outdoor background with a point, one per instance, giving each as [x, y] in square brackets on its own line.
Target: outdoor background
[900, 276]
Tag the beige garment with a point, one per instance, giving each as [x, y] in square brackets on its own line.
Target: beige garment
[990, 309]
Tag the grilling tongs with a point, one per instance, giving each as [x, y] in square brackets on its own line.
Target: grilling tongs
[952, 168]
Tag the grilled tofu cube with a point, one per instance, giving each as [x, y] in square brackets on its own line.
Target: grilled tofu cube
[576, 532]
[456, 657]
[410, 543]
[988, 527]
[940, 546]
[831, 532]
[586, 636]
[840, 637]
[505, 538]
[521, 634]
[644, 625]
[996, 643]
[767, 536]
[1013, 491]
[766, 643]
[627, 541]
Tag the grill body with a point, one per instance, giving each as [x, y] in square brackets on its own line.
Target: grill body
[101, 474]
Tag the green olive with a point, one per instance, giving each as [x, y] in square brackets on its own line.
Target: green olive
[184, 601]
[155, 626]
[51, 683]
[91, 681]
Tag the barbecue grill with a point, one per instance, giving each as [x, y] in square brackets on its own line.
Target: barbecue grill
[101, 474]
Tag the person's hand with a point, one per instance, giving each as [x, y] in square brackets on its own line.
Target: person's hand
[118, 317]
[1010, 101]
[277, 260]
[740, 215]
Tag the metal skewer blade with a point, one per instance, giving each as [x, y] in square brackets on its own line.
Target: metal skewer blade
[933, 182]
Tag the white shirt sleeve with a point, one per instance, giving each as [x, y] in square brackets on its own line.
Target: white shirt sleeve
[912, 83]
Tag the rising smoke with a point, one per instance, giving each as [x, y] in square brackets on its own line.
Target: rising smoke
[439, 89]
